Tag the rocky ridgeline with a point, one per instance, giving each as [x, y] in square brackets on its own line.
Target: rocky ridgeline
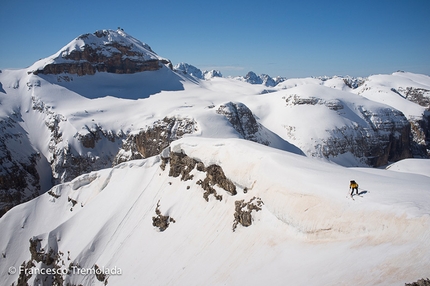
[181, 165]
[67, 164]
[243, 121]
[154, 138]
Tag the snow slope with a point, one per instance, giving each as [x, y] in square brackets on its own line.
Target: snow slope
[415, 166]
[307, 232]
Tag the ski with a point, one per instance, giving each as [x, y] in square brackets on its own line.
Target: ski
[352, 197]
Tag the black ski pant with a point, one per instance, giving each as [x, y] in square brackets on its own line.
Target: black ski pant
[352, 191]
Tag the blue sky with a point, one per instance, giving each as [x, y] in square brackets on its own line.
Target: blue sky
[285, 38]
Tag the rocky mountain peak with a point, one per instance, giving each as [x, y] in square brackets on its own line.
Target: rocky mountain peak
[186, 68]
[102, 51]
[252, 78]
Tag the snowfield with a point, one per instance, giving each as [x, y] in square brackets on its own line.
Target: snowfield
[244, 184]
[308, 231]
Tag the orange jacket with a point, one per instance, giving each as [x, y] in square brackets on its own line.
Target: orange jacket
[353, 185]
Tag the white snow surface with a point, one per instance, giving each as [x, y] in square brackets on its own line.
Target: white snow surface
[308, 231]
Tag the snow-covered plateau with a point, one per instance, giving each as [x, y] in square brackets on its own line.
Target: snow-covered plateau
[119, 168]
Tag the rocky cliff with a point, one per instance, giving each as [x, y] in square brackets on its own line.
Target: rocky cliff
[420, 126]
[243, 121]
[19, 179]
[378, 135]
[154, 139]
[103, 51]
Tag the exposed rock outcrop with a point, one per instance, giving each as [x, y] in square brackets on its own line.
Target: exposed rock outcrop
[19, 180]
[182, 165]
[420, 133]
[115, 64]
[243, 121]
[419, 96]
[420, 282]
[243, 211]
[51, 260]
[154, 139]
[354, 82]
[420, 126]
[67, 163]
[385, 135]
[215, 176]
[161, 221]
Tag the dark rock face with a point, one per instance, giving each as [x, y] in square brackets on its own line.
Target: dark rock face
[353, 83]
[215, 176]
[420, 133]
[154, 139]
[387, 139]
[94, 135]
[384, 137]
[420, 127]
[243, 121]
[419, 96]
[52, 260]
[161, 221]
[19, 180]
[420, 282]
[243, 211]
[182, 165]
[112, 65]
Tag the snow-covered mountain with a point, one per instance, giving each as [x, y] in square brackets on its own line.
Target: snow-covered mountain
[196, 72]
[252, 78]
[103, 51]
[113, 144]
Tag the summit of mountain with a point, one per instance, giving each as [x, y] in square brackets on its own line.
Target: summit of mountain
[102, 51]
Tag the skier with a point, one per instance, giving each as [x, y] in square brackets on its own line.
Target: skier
[353, 186]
